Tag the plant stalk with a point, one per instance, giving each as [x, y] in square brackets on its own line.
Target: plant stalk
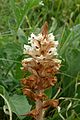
[39, 104]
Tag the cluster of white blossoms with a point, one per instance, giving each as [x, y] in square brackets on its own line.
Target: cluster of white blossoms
[40, 47]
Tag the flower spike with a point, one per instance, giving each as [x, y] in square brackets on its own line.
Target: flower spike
[43, 64]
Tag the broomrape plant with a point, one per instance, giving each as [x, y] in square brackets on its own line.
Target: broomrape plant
[43, 64]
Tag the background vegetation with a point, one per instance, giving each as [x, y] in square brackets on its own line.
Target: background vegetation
[18, 19]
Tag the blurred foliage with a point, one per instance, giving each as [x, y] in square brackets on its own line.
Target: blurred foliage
[18, 19]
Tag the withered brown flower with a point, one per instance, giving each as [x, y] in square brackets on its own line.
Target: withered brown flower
[43, 65]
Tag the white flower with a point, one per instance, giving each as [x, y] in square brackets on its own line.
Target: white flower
[53, 51]
[29, 40]
[57, 61]
[56, 43]
[39, 37]
[51, 37]
[40, 58]
[27, 48]
[35, 45]
[41, 3]
[44, 41]
[33, 40]
[27, 59]
[33, 36]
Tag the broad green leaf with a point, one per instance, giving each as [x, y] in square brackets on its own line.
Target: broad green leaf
[19, 105]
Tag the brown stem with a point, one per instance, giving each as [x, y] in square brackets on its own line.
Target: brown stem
[39, 107]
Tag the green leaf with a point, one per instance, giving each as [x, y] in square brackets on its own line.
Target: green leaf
[19, 13]
[18, 72]
[74, 34]
[54, 25]
[48, 92]
[19, 105]
[70, 52]
[72, 117]
[4, 92]
[22, 36]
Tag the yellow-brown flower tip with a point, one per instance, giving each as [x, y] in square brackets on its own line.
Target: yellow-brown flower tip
[34, 113]
[41, 96]
[47, 82]
[44, 30]
[52, 103]
[52, 80]
[29, 93]
[24, 81]
[34, 96]
[30, 82]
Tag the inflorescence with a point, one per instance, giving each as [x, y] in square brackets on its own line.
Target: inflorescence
[43, 64]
